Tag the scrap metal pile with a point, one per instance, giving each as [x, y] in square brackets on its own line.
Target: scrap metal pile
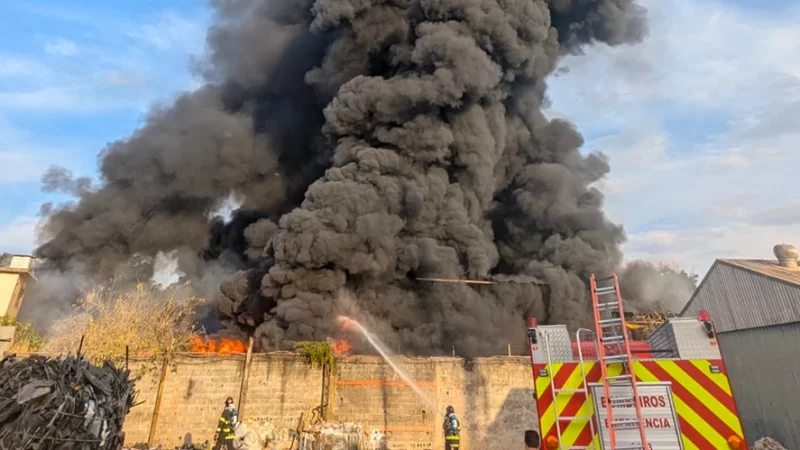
[262, 435]
[768, 444]
[62, 403]
[338, 436]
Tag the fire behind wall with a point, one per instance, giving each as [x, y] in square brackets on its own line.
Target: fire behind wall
[368, 144]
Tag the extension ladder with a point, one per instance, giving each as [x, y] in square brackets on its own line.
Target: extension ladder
[612, 334]
[583, 390]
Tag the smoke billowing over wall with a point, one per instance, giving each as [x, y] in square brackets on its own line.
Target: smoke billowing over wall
[369, 143]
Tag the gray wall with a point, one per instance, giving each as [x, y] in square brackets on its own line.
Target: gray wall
[764, 369]
[738, 299]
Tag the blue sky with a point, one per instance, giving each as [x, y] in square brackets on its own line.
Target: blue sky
[76, 76]
[699, 120]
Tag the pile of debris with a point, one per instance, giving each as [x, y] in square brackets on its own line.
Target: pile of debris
[337, 436]
[62, 403]
[251, 435]
[258, 435]
[768, 444]
[141, 446]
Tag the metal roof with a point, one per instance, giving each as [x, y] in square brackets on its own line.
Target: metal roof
[745, 294]
[18, 264]
[767, 268]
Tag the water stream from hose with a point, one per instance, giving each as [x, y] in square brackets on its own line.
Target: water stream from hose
[381, 348]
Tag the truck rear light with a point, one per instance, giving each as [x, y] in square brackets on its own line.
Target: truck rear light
[706, 319]
[551, 443]
[532, 335]
[736, 443]
[709, 329]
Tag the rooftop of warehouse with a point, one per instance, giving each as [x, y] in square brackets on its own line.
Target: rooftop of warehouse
[766, 268]
[17, 264]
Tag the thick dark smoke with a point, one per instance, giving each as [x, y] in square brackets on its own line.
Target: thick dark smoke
[369, 143]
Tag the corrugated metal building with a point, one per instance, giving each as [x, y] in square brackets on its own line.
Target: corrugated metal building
[755, 305]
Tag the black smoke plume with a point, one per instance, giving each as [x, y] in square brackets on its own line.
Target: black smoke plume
[369, 144]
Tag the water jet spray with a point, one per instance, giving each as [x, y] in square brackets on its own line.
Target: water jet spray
[349, 323]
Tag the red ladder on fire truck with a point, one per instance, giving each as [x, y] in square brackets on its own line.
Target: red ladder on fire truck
[612, 337]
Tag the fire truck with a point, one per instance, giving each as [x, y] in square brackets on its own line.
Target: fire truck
[600, 389]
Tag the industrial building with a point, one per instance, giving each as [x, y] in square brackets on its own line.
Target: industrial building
[16, 274]
[755, 305]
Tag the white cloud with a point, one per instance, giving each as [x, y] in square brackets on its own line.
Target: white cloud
[126, 79]
[116, 64]
[18, 235]
[705, 163]
[18, 67]
[635, 148]
[15, 153]
[728, 161]
[781, 215]
[170, 31]
[72, 99]
[698, 55]
[697, 248]
[27, 156]
[26, 167]
[61, 47]
[615, 186]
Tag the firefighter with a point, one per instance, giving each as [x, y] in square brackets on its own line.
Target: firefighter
[452, 430]
[227, 423]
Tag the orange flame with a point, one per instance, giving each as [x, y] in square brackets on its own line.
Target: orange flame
[219, 345]
[341, 347]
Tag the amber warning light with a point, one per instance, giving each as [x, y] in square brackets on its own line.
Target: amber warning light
[736, 443]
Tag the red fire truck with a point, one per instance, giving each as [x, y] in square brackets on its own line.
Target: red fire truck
[604, 391]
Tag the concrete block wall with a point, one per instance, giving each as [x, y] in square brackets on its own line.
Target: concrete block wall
[492, 396]
[195, 389]
[368, 391]
[137, 423]
[280, 388]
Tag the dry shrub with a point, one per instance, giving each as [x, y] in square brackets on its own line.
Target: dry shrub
[26, 339]
[148, 319]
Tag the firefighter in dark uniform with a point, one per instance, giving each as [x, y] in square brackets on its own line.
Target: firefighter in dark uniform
[227, 423]
[452, 430]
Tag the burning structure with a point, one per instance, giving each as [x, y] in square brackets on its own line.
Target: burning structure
[217, 345]
[367, 145]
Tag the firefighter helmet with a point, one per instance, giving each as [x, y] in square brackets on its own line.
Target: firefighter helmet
[228, 401]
